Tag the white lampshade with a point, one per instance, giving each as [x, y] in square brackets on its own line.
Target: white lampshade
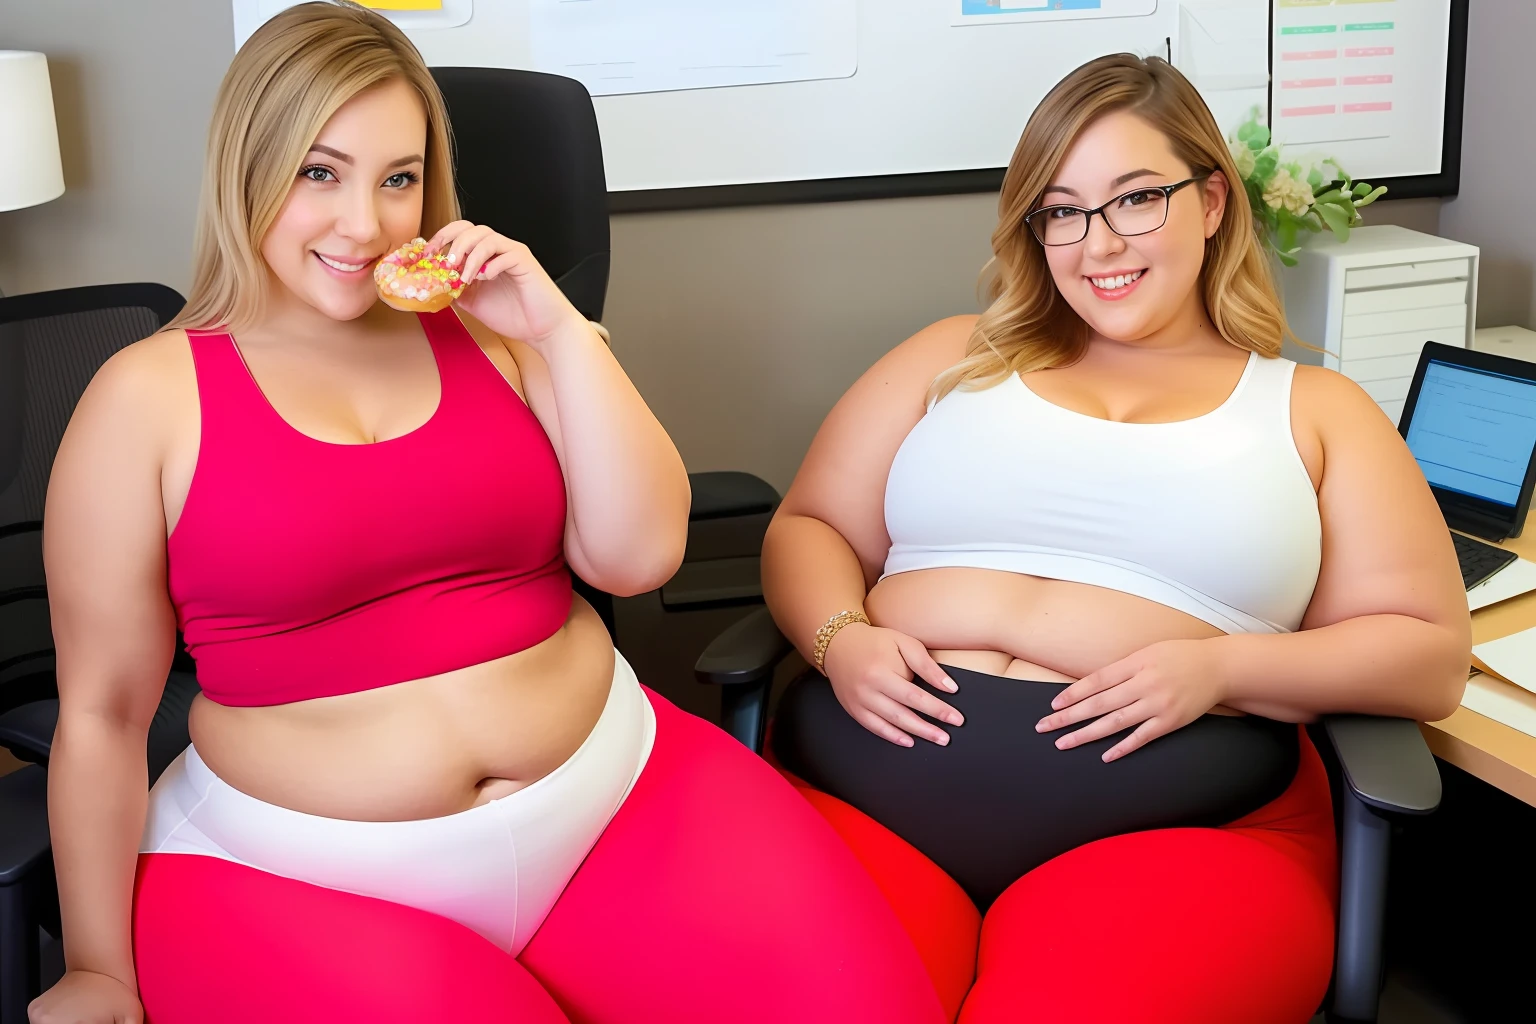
[30, 170]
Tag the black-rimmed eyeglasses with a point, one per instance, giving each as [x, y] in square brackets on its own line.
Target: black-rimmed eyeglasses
[1138, 212]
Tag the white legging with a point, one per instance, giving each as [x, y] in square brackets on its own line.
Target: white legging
[497, 868]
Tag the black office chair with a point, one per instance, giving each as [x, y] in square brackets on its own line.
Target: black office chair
[1379, 769]
[529, 163]
[51, 344]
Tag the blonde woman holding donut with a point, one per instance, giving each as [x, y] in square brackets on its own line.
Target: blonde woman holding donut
[423, 786]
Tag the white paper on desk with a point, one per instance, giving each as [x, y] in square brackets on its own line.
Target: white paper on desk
[1505, 704]
[1512, 658]
[1516, 578]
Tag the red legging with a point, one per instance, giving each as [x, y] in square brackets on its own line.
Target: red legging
[1174, 926]
[716, 894]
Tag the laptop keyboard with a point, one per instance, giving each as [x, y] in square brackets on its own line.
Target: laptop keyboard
[1478, 560]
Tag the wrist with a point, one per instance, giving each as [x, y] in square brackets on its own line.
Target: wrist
[830, 630]
[1222, 667]
[573, 330]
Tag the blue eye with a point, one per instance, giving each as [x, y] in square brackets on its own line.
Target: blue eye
[404, 179]
[317, 173]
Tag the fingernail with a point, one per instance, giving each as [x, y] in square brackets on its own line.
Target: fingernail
[950, 685]
[943, 739]
[1056, 704]
[906, 741]
[955, 720]
[1040, 726]
[1109, 756]
[1063, 743]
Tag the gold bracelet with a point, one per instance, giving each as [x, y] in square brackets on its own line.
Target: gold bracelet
[829, 630]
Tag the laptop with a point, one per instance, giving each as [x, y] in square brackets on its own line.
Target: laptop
[1470, 422]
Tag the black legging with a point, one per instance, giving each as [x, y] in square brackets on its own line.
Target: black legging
[1000, 799]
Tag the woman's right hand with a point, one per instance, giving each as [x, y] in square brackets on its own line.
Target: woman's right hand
[85, 997]
[871, 670]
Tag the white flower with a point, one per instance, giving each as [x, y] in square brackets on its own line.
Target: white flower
[1284, 190]
[1243, 157]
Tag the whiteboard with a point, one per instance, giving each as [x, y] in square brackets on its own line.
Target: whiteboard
[729, 92]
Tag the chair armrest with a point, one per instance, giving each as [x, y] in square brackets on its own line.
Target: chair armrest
[24, 810]
[1385, 762]
[1386, 769]
[728, 493]
[747, 652]
[27, 731]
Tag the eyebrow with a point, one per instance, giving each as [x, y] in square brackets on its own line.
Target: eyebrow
[344, 158]
[1128, 176]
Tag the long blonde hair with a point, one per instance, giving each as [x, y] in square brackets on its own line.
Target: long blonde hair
[291, 75]
[1028, 324]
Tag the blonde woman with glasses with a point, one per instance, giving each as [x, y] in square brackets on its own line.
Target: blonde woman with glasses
[1077, 569]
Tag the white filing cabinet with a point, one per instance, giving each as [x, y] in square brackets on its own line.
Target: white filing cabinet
[1372, 302]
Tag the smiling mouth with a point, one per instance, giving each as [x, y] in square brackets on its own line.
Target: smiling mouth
[345, 268]
[1109, 284]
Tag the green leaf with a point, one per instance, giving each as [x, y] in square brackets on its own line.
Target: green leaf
[1372, 196]
[1337, 220]
[1264, 165]
[1361, 188]
[1285, 236]
[1315, 179]
[1328, 196]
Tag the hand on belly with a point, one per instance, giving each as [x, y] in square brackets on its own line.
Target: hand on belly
[1153, 692]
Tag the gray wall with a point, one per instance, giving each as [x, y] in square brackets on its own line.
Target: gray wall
[1496, 209]
[740, 326]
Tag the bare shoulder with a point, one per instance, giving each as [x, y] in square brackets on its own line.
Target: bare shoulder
[148, 382]
[1335, 408]
[901, 377]
[931, 350]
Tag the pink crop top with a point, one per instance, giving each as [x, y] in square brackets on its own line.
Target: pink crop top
[301, 568]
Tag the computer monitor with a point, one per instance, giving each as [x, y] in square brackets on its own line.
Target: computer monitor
[1470, 422]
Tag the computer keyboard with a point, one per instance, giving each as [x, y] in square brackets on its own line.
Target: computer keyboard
[1478, 560]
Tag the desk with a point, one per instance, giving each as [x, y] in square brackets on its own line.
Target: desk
[1502, 757]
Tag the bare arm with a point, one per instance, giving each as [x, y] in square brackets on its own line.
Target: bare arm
[1388, 630]
[827, 542]
[625, 482]
[114, 630]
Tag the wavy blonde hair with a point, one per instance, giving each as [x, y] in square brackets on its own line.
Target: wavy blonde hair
[291, 75]
[1028, 324]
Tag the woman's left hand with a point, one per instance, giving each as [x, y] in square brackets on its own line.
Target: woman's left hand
[505, 288]
[1158, 689]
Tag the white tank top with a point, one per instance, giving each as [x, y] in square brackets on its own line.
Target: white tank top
[1214, 516]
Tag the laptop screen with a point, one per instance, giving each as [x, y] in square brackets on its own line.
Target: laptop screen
[1473, 430]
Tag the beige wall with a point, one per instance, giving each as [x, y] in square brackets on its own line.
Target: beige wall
[740, 326]
[1496, 209]
[133, 86]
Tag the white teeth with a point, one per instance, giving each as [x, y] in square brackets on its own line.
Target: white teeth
[347, 268]
[1118, 281]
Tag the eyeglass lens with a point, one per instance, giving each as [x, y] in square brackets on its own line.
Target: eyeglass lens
[1134, 213]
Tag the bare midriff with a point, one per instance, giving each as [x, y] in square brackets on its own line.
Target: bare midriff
[419, 749]
[1024, 627]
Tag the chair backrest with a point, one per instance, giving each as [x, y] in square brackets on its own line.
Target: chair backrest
[51, 345]
[529, 163]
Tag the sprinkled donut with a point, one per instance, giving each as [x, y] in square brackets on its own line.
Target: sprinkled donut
[410, 280]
